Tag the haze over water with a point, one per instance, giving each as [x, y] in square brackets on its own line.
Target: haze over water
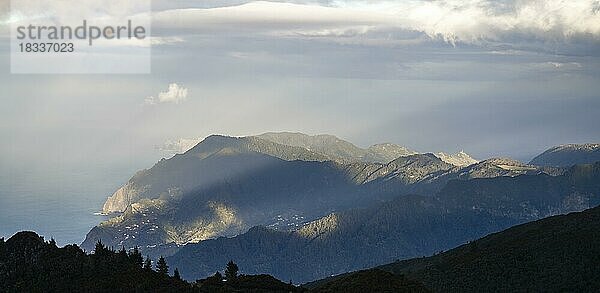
[57, 202]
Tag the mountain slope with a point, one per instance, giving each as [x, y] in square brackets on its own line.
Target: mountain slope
[340, 242]
[337, 149]
[373, 280]
[556, 254]
[225, 185]
[407, 170]
[386, 152]
[342, 151]
[568, 155]
[228, 193]
[202, 165]
[427, 174]
[406, 227]
[234, 191]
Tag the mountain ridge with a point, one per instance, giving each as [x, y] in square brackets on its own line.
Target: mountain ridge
[554, 254]
[337, 149]
[405, 227]
[568, 154]
[206, 192]
[565, 246]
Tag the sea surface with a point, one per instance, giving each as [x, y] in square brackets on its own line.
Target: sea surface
[57, 203]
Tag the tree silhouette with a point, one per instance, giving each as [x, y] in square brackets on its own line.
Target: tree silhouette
[136, 257]
[176, 274]
[231, 271]
[99, 247]
[30, 264]
[148, 264]
[218, 276]
[162, 267]
[100, 250]
[123, 253]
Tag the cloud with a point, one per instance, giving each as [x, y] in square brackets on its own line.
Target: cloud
[176, 94]
[179, 146]
[264, 17]
[512, 23]
[159, 41]
[561, 65]
[475, 20]
[453, 21]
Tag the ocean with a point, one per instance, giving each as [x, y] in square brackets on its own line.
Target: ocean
[57, 203]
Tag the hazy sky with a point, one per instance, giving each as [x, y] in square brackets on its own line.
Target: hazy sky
[492, 78]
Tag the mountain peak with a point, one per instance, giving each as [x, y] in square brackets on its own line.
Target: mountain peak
[575, 147]
[568, 154]
[337, 149]
[425, 158]
[386, 152]
[460, 159]
[212, 142]
[297, 135]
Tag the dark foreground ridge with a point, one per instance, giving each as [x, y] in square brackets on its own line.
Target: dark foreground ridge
[373, 280]
[30, 264]
[556, 254]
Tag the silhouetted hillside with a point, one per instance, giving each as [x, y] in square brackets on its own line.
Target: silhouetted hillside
[556, 254]
[374, 280]
[29, 264]
[245, 283]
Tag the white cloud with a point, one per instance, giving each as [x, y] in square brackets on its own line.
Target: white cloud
[264, 17]
[382, 21]
[179, 146]
[488, 20]
[158, 41]
[470, 21]
[175, 94]
[561, 65]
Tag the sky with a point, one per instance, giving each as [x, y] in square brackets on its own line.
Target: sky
[492, 78]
